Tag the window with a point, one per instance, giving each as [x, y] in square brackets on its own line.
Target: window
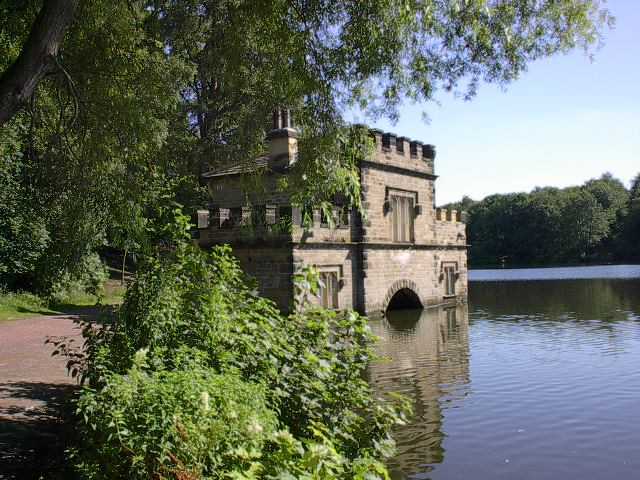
[329, 289]
[339, 215]
[450, 279]
[203, 218]
[343, 215]
[452, 323]
[285, 212]
[270, 214]
[259, 215]
[402, 211]
[324, 219]
[225, 218]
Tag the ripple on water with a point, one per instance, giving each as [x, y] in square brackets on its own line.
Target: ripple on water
[519, 389]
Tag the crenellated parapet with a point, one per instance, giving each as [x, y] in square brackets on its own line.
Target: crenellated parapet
[271, 224]
[448, 215]
[246, 224]
[450, 227]
[402, 152]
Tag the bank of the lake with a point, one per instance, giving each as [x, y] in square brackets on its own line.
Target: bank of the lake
[537, 377]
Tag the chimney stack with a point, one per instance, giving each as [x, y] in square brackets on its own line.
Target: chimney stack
[283, 141]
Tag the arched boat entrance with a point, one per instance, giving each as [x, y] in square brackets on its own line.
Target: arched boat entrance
[403, 295]
[404, 299]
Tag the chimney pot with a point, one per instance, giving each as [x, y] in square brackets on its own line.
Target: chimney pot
[283, 141]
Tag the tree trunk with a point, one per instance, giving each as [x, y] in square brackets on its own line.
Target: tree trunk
[37, 57]
[124, 264]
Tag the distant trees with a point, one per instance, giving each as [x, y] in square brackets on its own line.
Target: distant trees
[629, 243]
[598, 221]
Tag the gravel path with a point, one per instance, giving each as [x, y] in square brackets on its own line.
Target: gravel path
[33, 387]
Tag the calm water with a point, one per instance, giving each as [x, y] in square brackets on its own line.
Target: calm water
[556, 273]
[533, 380]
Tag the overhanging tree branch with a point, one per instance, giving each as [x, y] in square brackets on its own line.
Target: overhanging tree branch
[37, 57]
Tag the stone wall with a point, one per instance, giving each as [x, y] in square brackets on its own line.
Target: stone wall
[377, 186]
[402, 152]
[342, 258]
[421, 269]
[321, 232]
[272, 268]
[449, 228]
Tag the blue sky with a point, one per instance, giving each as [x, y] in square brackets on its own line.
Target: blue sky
[565, 120]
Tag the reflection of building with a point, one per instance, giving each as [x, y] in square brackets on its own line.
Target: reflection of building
[428, 356]
[406, 250]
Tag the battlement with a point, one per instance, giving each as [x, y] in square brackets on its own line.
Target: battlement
[270, 224]
[446, 215]
[402, 152]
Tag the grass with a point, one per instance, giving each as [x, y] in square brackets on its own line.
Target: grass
[22, 305]
[14, 306]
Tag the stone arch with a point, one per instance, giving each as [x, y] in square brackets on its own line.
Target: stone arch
[403, 287]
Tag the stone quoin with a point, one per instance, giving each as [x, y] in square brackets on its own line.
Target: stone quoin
[400, 252]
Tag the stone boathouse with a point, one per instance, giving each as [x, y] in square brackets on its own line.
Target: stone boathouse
[407, 253]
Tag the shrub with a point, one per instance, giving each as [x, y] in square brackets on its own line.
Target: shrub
[195, 313]
[172, 424]
[87, 278]
[21, 304]
[23, 234]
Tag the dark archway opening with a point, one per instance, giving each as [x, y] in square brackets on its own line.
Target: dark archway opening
[404, 299]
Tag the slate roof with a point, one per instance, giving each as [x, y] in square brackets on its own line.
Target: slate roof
[238, 169]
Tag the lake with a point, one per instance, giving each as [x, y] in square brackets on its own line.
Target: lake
[533, 379]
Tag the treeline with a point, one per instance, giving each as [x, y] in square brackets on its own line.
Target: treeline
[598, 221]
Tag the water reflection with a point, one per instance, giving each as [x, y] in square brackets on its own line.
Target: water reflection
[427, 354]
[534, 380]
[604, 300]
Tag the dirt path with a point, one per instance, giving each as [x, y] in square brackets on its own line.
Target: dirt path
[33, 387]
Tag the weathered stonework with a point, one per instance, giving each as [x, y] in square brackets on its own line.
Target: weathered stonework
[372, 268]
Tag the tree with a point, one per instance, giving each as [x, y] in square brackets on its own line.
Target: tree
[629, 239]
[23, 234]
[610, 193]
[323, 57]
[89, 155]
[551, 225]
[585, 223]
[38, 56]
[634, 193]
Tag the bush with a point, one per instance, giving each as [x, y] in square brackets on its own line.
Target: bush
[21, 304]
[173, 424]
[23, 234]
[194, 313]
[87, 278]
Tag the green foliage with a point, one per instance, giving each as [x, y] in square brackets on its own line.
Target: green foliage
[191, 311]
[325, 58]
[23, 234]
[584, 224]
[87, 277]
[629, 225]
[83, 157]
[174, 424]
[198, 424]
[550, 225]
[14, 305]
